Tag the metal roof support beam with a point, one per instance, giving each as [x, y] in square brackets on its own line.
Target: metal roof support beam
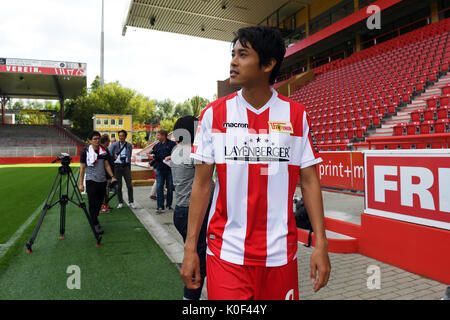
[192, 13]
[5, 99]
[61, 99]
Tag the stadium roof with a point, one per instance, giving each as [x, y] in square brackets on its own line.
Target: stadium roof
[212, 19]
[41, 79]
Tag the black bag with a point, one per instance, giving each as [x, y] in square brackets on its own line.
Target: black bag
[302, 219]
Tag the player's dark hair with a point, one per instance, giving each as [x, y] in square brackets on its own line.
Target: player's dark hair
[104, 138]
[163, 132]
[94, 134]
[267, 42]
[186, 123]
[123, 132]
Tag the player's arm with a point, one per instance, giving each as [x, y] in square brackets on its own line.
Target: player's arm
[312, 197]
[82, 171]
[109, 170]
[201, 188]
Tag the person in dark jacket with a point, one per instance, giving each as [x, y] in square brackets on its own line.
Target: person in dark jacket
[121, 151]
[161, 153]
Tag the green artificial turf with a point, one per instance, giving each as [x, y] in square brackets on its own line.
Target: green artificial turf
[22, 191]
[129, 264]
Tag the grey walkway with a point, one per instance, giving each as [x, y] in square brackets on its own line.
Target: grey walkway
[352, 275]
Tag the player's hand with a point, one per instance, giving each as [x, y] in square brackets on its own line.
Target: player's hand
[190, 270]
[320, 262]
[81, 187]
[113, 179]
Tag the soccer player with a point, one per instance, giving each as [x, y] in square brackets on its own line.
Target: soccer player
[259, 142]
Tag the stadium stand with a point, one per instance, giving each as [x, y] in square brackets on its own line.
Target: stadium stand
[36, 140]
[390, 83]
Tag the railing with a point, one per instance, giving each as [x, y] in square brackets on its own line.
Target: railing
[421, 141]
[398, 32]
[63, 132]
[44, 151]
[434, 140]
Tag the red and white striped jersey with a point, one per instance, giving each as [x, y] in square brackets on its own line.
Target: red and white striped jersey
[258, 154]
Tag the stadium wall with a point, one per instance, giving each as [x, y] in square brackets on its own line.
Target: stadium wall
[28, 160]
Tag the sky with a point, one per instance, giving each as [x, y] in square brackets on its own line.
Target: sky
[156, 64]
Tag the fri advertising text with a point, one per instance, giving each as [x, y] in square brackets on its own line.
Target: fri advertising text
[410, 188]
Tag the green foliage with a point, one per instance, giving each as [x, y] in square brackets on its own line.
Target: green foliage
[168, 124]
[112, 98]
[37, 118]
[198, 104]
[183, 109]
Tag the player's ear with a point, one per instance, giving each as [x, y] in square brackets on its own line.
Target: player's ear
[269, 67]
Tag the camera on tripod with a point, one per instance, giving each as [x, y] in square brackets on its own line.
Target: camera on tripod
[64, 158]
[58, 187]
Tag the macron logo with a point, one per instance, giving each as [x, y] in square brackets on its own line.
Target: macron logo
[235, 125]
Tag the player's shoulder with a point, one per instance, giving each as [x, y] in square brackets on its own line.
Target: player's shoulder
[218, 104]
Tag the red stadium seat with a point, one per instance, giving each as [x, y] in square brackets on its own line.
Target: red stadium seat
[417, 115]
[443, 112]
[429, 113]
[399, 129]
[432, 102]
[376, 120]
[392, 109]
[382, 110]
[442, 125]
[446, 90]
[444, 100]
[350, 133]
[413, 128]
[426, 127]
[360, 132]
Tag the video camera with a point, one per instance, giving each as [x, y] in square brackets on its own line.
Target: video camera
[64, 158]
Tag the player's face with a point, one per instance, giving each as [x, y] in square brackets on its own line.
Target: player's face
[95, 142]
[244, 67]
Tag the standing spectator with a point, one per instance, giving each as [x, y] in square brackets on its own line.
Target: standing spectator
[161, 152]
[92, 162]
[446, 294]
[104, 142]
[121, 150]
[183, 172]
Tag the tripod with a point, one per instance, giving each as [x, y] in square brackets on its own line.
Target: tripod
[63, 170]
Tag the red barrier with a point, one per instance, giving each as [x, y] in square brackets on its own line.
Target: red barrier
[342, 170]
[336, 245]
[406, 221]
[419, 249]
[22, 160]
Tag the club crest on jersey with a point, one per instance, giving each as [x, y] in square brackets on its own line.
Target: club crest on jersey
[281, 126]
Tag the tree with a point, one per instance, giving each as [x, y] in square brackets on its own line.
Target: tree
[198, 104]
[183, 109]
[167, 107]
[168, 124]
[111, 98]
